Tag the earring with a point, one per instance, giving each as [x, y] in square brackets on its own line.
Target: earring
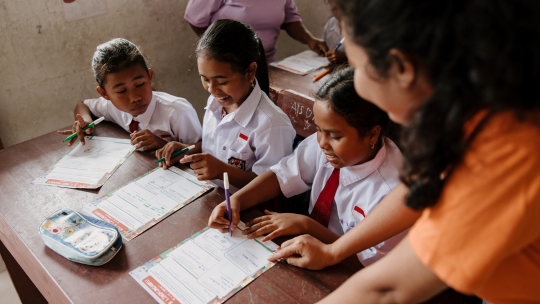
[253, 84]
[372, 146]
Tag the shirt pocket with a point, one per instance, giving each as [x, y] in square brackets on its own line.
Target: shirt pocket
[243, 153]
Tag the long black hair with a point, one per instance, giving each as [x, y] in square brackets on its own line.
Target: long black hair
[360, 114]
[478, 54]
[114, 56]
[236, 43]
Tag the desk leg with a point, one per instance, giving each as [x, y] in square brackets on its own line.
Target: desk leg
[28, 292]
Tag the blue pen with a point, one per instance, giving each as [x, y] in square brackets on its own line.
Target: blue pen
[339, 44]
[227, 197]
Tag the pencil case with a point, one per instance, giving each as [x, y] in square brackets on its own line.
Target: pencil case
[80, 238]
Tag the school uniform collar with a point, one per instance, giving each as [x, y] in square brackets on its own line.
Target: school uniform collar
[349, 175]
[243, 114]
[144, 118]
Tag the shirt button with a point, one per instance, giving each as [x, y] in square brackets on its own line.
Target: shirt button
[224, 148]
[219, 130]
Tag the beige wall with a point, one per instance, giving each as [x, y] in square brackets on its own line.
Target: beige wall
[45, 61]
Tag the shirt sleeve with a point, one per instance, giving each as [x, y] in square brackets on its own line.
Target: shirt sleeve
[100, 108]
[488, 212]
[187, 127]
[199, 12]
[291, 12]
[296, 172]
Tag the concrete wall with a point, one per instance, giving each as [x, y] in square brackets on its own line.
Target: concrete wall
[45, 61]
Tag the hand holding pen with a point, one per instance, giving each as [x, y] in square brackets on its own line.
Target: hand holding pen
[80, 128]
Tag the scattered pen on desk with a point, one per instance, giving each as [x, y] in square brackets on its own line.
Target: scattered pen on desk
[92, 124]
[176, 153]
[227, 197]
[339, 44]
[321, 75]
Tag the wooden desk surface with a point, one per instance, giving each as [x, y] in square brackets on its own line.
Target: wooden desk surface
[23, 206]
[294, 95]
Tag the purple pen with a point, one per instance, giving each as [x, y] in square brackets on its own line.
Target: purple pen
[226, 185]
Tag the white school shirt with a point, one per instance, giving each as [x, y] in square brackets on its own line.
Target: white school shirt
[257, 132]
[332, 34]
[361, 187]
[169, 117]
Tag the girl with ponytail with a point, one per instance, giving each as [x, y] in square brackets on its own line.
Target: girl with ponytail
[244, 133]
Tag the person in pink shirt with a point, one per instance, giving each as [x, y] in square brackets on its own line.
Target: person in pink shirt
[266, 17]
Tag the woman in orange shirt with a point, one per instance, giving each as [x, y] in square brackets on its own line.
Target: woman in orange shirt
[464, 77]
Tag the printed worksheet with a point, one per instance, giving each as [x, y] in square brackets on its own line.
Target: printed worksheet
[147, 200]
[302, 63]
[209, 267]
[88, 166]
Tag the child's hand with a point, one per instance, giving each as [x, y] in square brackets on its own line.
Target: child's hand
[146, 140]
[318, 46]
[167, 151]
[277, 224]
[218, 220]
[336, 56]
[205, 165]
[78, 125]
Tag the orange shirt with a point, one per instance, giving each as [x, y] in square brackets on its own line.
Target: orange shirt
[483, 236]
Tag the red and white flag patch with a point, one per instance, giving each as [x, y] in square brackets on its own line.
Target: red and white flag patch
[242, 138]
[358, 213]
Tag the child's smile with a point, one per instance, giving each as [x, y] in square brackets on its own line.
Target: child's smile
[229, 88]
[340, 142]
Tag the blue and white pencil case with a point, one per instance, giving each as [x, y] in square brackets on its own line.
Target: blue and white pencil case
[80, 238]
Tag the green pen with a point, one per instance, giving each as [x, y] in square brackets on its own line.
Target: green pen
[95, 122]
[176, 153]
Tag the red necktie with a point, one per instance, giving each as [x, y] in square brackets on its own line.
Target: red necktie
[133, 126]
[321, 211]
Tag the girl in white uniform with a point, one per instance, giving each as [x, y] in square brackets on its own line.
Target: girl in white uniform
[244, 133]
[348, 165]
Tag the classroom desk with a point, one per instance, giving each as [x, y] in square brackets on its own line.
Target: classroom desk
[294, 95]
[23, 206]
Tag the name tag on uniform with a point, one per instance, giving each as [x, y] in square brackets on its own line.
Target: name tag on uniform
[239, 163]
[358, 213]
[242, 138]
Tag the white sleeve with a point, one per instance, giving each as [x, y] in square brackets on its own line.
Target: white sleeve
[296, 172]
[187, 127]
[272, 146]
[99, 107]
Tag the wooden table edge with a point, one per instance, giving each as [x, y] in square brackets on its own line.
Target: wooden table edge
[31, 265]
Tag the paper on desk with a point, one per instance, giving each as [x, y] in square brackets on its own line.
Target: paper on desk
[147, 200]
[302, 63]
[209, 267]
[88, 166]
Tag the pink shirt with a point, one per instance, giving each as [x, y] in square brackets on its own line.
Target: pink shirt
[265, 16]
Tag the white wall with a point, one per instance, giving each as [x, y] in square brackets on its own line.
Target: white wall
[45, 61]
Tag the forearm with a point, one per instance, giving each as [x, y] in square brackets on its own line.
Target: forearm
[261, 189]
[238, 177]
[84, 111]
[319, 232]
[297, 31]
[387, 219]
[400, 277]
[198, 30]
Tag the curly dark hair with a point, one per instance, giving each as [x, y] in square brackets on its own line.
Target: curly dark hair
[360, 114]
[236, 43]
[478, 55]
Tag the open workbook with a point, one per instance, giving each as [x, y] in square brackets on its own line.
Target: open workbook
[209, 267]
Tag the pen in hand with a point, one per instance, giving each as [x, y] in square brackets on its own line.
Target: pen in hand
[227, 197]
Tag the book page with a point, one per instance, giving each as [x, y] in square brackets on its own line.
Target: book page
[144, 202]
[88, 166]
[211, 267]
